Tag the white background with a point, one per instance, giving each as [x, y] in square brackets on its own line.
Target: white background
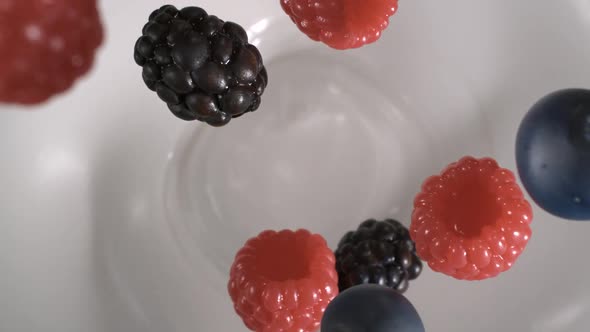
[86, 242]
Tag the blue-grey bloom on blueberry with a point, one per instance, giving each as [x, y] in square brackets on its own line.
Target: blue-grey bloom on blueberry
[553, 153]
[371, 308]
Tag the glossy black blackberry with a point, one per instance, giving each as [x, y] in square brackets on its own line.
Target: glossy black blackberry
[199, 65]
[378, 252]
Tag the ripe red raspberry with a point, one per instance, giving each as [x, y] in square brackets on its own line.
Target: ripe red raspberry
[283, 281]
[472, 221]
[341, 24]
[46, 46]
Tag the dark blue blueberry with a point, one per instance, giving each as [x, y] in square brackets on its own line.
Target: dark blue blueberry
[553, 153]
[371, 308]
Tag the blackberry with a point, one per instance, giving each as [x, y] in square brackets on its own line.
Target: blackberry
[202, 67]
[378, 252]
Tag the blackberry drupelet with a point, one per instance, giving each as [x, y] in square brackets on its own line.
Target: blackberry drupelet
[378, 252]
[199, 65]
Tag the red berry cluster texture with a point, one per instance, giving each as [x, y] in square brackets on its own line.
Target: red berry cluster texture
[46, 45]
[341, 24]
[472, 221]
[283, 281]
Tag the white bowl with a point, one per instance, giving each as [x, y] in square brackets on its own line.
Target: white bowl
[118, 217]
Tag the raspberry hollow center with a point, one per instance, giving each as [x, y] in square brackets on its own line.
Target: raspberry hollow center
[471, 206]
[282, 259]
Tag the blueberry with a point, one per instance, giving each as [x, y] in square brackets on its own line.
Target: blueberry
[371, 308]
[553, 153]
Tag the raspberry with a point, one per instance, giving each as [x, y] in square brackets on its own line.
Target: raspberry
[202, 67]
[283, 281]
[378, 252]
[472, 221]
[46, 46]
[341, 24]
